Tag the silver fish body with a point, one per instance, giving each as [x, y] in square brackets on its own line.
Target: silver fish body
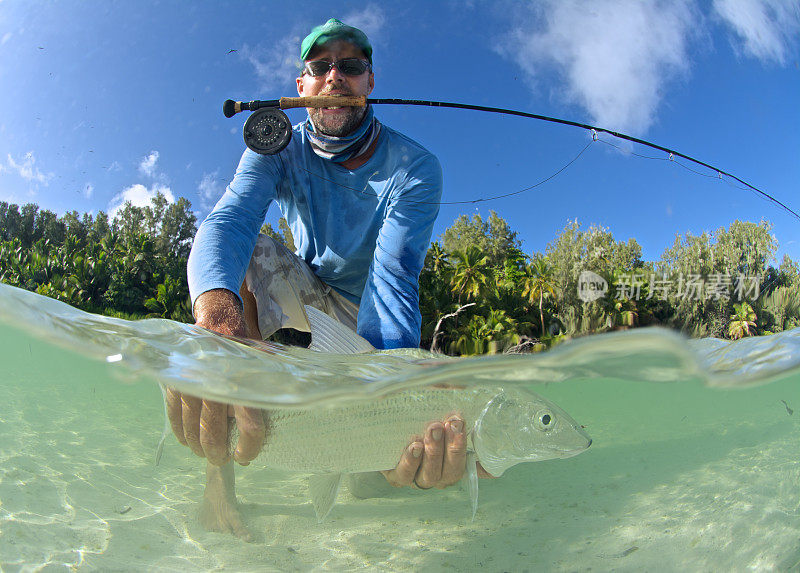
[505, 426]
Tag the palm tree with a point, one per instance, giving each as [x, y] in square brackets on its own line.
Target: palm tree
[537, 281]
[783, 304]
[498, 329]
[620, 303]
[743, 318]
[627, 313]
[438, 332]
[437, 258]
[486, 334]
[435, 295]
[470, 341]
[470, 275]
[171, 301]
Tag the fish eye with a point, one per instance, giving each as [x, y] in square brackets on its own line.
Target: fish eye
[544, 420]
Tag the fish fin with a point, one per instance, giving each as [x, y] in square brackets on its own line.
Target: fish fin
[323, 489]
[330, 335]
[165, 431]
[472, 481]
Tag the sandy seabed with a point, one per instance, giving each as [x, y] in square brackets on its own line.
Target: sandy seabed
[679, 478]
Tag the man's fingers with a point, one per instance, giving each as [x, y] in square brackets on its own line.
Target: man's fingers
[455, 452]
[407, 467]
[214, 432]
[439, 461]
[430, 471]
[191, 408]
[203, 426]
[252, 431]
[174, 407]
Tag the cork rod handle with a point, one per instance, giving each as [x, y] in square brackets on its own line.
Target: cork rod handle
[322, 101]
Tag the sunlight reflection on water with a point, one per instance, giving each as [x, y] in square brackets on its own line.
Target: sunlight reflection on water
[689, 472]
[197, 361]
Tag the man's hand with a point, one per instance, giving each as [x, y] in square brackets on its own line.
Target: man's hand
[203, 425]
[436, 460]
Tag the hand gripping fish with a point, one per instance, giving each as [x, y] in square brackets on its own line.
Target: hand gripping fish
[505, 426]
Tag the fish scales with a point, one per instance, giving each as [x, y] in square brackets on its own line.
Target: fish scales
[505, 426]
[365, 435]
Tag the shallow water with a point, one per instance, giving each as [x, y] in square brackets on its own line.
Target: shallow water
[695, 463]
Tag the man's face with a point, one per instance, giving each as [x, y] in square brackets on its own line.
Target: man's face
[344, 120]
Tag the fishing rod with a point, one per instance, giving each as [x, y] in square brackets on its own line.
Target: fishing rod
[268, 130]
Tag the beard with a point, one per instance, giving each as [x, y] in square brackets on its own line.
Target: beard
[337, 126]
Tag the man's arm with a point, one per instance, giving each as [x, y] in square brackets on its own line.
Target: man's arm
[389, 315]
[224, 242]
[203, 424]
[217, 264]
[219, 310]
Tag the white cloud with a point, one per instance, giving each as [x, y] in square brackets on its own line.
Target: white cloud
[26, 169]
[371, 20]
[6, 37]
[613, 57]
[767, 28]
[148, 164]
[277, 65]
[210, 190]
[88, 191]
[139, 196]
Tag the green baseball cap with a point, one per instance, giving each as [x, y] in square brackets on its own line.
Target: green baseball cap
[333, 29]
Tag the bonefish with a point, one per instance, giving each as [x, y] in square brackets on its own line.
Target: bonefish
[504, 426]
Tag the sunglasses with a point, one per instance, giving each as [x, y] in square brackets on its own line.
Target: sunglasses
[348, 66]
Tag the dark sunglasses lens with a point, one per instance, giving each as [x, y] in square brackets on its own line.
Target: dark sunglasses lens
[352, 66]
[318, 67]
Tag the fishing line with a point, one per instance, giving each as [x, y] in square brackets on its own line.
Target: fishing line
[268, 130]
[669, 159]
[625, 151]
[717, 174]
[464, 202]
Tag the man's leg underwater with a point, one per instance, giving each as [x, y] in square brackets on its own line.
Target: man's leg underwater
[219, 510]
[277, 286]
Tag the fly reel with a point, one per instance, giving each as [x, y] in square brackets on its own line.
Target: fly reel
[267, 131]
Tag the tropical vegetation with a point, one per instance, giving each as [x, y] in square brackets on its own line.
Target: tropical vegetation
[479, 291]
[133, 266]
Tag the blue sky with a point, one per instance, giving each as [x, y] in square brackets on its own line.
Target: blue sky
[106, 101]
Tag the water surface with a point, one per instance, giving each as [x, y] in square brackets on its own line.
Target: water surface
[694, 464]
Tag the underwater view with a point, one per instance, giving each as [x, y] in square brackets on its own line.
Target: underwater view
[694, 462]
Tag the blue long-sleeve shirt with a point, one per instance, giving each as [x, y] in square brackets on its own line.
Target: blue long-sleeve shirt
[364, 232]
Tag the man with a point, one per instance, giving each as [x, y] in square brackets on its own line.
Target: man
[361, 200]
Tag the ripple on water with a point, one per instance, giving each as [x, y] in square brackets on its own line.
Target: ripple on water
[197, 361]
[682, 470]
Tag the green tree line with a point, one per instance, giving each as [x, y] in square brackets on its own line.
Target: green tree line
[479, 291]
[133, 266]
[719, 284]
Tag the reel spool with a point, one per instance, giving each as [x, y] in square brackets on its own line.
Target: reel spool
[267, 131]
